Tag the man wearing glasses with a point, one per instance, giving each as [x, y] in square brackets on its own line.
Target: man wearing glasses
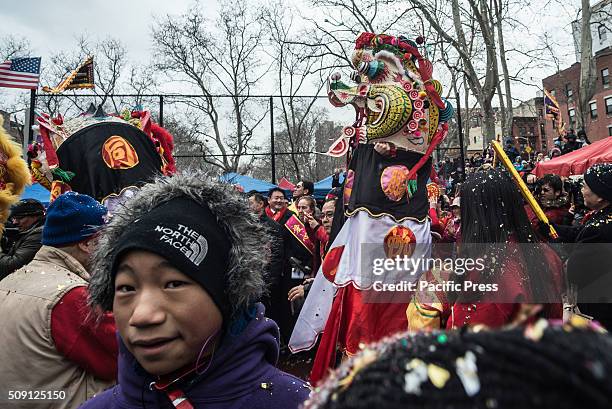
[554, 202]
[28, 216]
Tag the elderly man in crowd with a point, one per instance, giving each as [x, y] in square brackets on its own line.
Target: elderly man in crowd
[28, 216]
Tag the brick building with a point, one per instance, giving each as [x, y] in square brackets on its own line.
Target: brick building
[600, 28]
[528, 125]
[564, 85]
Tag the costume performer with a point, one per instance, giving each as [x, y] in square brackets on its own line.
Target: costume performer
[14, 175]
[104, 156]
[397, 104]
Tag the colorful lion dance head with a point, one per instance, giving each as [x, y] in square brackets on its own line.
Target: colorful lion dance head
[394, 95]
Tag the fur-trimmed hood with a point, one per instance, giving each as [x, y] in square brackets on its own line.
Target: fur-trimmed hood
[248, 237]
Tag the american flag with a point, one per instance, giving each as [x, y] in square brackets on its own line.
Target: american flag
[20, 73]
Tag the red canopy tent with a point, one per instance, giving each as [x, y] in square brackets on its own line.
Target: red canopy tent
[283, 183]
[577, 162]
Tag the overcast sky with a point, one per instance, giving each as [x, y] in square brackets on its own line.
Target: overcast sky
[51, 26]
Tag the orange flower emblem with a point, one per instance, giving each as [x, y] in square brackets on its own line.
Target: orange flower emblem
[57, 188]
[399, 241]
[433, 191]
[118, 153]
[393, 182]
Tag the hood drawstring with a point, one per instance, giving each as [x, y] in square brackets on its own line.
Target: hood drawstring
[179, 400]
[176, 394]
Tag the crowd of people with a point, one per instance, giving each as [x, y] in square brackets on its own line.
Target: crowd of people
[189, 293]
[195, 298]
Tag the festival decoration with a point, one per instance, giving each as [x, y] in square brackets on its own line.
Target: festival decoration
[433, 191]
[397, 102]
[14, 175]
[533, 203]
[552, 112]
[81, 77]
[105, 156]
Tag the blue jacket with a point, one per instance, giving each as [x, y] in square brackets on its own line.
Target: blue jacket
[241, 375]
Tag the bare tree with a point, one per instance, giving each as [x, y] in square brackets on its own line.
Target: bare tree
[223, 57]
[588, 75]
[476, 16]
[295, 74]
[332, 38]
[142, 80]
[12, 46]
[189, 148]
[497, 19]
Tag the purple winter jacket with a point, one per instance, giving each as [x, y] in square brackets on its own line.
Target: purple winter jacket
[241, 375]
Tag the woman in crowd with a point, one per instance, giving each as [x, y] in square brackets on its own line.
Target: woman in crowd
[180, 266]
[516, 269]
[322, 231]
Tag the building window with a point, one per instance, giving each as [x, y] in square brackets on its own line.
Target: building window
[609, 106]
[593, 109]
[603, 33]
[572, 117]
[605, 78]
[609, 130]
[568, 91]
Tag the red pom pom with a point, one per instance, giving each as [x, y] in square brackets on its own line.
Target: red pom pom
[420, 40]
[407, 56]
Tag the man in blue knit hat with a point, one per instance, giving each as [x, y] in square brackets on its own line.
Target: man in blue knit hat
[44, 314]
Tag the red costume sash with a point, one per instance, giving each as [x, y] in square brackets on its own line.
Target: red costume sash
[297, 229]
[275, 216]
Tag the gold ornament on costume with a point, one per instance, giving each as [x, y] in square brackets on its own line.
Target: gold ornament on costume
[35, 169]
[393, 182]
[118, 153]
[389, 110]
[433, 191]
[57, 188]
[399, 241]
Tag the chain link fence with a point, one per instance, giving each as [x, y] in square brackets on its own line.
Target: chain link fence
[279, 136]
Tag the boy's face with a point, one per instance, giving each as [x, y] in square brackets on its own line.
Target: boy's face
[163, 316]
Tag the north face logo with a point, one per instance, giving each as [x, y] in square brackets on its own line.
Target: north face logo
[188, 241]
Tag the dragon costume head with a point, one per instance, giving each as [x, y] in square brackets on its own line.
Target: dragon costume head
[394, 96]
